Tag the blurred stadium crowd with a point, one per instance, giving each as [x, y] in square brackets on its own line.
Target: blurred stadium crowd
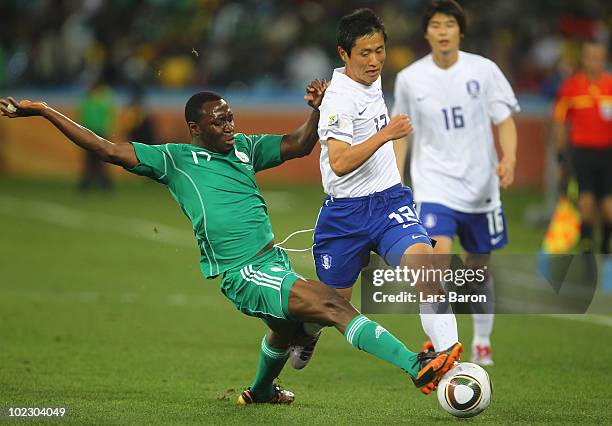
[260, 45]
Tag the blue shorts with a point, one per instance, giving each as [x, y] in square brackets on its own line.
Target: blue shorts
[478, 233]
[348, 229]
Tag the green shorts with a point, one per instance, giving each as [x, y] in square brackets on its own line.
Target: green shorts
[261, 287]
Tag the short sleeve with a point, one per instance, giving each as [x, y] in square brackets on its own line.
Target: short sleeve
[401, 97]
[501, 100]
[152, 161]
[562, 103]
[266, 151]
[335, 119]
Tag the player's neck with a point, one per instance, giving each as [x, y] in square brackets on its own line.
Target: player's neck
[592, 75]
[445, 60]
[199, 143]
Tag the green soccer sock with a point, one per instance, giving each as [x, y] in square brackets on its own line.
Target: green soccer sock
[271, 362]
[371, 337]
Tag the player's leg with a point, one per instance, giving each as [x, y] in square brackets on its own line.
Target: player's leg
[603, 193]
[606, 216]
[483, 313]
[606, 207]
[583, 161]
[272, 358]
[405, 242]
[256, 290]
[312, 301]
[480, 234]
[341, 249]
[605, 243]
[587, 206]
[305, 342]
[441, 225]
[437, 318]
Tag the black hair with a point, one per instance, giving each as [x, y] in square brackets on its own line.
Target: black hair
[357, 24]
[193, 107]
[446, 7]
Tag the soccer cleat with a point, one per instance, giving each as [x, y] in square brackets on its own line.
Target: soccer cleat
[428, 347]
[300, 355]
[280, 396]
[434, 365]
[482, 355]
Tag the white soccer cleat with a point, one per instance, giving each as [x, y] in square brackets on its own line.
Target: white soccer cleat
[482, 355]
[300, 355]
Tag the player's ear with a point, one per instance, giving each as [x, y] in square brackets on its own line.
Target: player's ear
[194, 128]
[343, 55]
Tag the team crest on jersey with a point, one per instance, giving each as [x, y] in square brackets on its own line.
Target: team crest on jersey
[333, 120]
[473, 88]
[430, 220]
[326, 261]
[241, 156]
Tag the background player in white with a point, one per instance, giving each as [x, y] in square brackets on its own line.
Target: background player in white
[367, 209]
[452, 98]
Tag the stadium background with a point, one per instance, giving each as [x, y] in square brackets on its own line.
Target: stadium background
[102, 306]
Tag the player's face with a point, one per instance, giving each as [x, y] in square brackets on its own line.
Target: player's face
[367, 58]
[594, 58]
[216, 126]
[443, 34]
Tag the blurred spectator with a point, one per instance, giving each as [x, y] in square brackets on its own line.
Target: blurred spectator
[265, 43]
[2, 149]
[97, 113]
[136, 123]
[584, 105]
[305, 63]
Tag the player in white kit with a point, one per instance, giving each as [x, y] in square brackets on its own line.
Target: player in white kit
[366, 208]
[452, 98]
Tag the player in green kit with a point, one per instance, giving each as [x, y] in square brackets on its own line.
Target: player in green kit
[213, 180]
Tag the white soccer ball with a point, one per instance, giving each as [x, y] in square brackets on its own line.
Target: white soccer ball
[465, 390]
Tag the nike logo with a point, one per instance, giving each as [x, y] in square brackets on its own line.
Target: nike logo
[409, 224]
[361, 112]
[496, 239]
[414, 237]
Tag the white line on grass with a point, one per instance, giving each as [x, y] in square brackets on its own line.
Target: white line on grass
[58, 214]
[591, 319]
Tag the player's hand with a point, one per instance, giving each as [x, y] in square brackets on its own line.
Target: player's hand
[9, 107]
[315, 91]
[505, 171]
[399, 127]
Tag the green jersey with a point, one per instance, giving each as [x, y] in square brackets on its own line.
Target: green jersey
[218, 193]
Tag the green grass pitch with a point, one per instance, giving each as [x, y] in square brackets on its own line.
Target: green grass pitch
[103, 310]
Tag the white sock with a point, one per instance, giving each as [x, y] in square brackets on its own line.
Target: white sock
[483, 327]
[440, 327]
[483, 315]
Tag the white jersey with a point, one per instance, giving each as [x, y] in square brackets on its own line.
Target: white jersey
[352, 112]
[453, 157]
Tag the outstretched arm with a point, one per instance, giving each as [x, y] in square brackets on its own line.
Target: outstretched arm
[121, 154]
[300, 142]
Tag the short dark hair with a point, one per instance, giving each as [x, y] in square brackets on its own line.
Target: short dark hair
[447, 7]
[193, 107]
[357, 24]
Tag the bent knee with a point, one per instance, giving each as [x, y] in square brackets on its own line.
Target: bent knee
[336, 308]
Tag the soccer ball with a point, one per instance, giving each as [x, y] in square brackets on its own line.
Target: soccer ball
[465, 390]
